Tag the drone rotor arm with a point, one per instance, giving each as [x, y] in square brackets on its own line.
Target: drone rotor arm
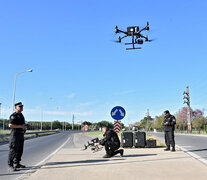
[123, 37]
[141, 30]
[122, 31]
[145, 37]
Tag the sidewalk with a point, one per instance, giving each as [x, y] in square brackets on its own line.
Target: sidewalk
[142, 164]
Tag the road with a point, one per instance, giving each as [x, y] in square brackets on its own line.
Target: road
[35, 150]
[191, 143]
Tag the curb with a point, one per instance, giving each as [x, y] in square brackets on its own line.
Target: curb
[204, 161]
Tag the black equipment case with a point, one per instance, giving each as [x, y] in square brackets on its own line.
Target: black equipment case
[127, 139]
[151, 143]
[139, 139]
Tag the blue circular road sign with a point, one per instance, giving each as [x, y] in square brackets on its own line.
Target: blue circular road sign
[118, 113]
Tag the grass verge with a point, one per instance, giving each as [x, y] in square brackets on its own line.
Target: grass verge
[4, 139]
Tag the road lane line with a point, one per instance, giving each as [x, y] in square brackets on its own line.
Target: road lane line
[45, 159]
[204, 161]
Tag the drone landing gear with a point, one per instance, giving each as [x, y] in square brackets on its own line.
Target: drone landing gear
[133, 48]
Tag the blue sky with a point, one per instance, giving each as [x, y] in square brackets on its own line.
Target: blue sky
[69, 45]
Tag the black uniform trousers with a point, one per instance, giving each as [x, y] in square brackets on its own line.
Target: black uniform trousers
[16, 147]
[169, 138]
[111, 148]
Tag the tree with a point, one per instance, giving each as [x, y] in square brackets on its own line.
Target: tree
[199, 123]
[158, 122]
[105, 123]
[86, 123]
[181, 117]
[147, 123]
[57, 125]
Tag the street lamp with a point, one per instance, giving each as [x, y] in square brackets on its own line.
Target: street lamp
[42, 113]
[30, 70]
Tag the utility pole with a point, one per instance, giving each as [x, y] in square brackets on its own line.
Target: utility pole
[65, 126]
[51, 125]
[187, 101]
[73, 122]
[0, 117]
[41, 117]
[154, 123]
[147, 114]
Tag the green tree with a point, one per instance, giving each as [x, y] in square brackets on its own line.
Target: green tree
[105, 123]
[158, 122]
[57, 125]
[199, 123]
[86, 123]
[147, 123]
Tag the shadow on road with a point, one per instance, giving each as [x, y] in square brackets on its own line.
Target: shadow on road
[77, 162]
[98, 162]
[138, 155]
[196, 150]
[20, 171]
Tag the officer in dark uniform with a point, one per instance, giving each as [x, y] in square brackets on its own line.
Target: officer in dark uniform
[111, 142]
[16, 145]
[169, 127]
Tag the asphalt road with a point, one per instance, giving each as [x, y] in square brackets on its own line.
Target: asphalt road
[192, 143]
[35, 150]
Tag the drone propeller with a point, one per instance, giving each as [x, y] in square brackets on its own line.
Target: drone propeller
[116, 41]
[116, 30]
[148, 40]
[147, 27]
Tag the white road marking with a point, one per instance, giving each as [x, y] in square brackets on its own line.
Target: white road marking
[41, 162]
[193, 155]
[187, 146]
[204, 161]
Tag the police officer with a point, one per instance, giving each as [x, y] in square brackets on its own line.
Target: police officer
[169, 127]
[16, 145]
[111, 142]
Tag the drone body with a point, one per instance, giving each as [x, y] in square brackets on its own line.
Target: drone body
[135, 33]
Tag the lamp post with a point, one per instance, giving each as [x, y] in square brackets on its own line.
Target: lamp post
[42, 112]
[15, 84]
[0, 110]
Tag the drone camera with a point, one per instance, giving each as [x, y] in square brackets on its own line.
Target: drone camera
[140, 41]
[132, 29]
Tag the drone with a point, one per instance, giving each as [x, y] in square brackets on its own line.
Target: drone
[135, 33]
[92, 145]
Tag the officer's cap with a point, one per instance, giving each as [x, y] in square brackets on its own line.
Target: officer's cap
[166, 112]
[19, 104]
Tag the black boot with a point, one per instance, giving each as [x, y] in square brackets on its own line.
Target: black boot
[173, 149]
[121, 151]
[12, 169]
[167, 149]
[19, 165]
[106, 156]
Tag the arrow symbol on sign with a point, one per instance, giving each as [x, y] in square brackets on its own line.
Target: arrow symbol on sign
[114, 113]
[122, 114]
